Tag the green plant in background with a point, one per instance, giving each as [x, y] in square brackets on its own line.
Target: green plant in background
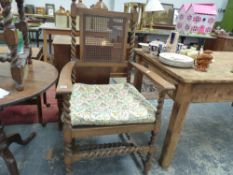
[227, 22]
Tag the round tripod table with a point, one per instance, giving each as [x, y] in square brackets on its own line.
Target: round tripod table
[39, 76]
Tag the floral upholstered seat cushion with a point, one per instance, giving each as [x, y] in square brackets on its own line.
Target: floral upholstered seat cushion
[110, 104]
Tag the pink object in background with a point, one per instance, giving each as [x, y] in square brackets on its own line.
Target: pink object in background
[181, 17]
[194, 29]
[179, 25]
[202, 29]
[189, 17]
[200, 17]
[211, 20]
[187, 27]
[204, 8]
[197, 19]
[208, 29]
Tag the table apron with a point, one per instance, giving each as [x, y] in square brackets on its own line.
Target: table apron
[57, 32]
[150, 66]
[212, 92]
[200, 93]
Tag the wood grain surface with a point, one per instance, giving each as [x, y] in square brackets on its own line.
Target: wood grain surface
[38, 77]
[220, 71]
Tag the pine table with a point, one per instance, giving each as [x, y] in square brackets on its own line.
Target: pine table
[215, 85]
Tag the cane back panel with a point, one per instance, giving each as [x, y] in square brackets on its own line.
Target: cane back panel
[103, 36]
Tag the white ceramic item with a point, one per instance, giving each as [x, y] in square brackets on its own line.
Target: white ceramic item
[176, 60]
[154, 47]
[145, 46]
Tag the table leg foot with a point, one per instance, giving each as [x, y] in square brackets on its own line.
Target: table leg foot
[10, 161]
[7, 154]
[40, 113]
[16, 138]
[45, 100]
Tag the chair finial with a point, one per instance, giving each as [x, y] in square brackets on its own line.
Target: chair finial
[80, 4]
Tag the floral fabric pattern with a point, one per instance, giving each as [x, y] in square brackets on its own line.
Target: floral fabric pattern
[110, 104]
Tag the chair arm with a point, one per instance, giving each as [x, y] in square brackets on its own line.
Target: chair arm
[162, 83]
[64, 85]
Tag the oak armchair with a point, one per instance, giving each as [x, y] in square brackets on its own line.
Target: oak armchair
[91, 106]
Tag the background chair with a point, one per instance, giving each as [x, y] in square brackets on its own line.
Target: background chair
[97, 108]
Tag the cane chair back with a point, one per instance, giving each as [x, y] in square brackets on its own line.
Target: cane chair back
[103, 36]
[103, 42]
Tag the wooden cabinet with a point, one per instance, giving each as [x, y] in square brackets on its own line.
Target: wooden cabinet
[62, 50]
[220, 44]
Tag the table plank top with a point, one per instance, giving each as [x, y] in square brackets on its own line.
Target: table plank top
[220, 71]
[52, 26]
[39, 76]
[64, 40]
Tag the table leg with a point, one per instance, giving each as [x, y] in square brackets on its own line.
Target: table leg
[50, 44]
[40, 112]
[180, 107]
[45, 100]
[6, 153]
[138, 75]
[45, 49]
[10, 161]
[60, 109]
[37, 38]
[29, 36]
